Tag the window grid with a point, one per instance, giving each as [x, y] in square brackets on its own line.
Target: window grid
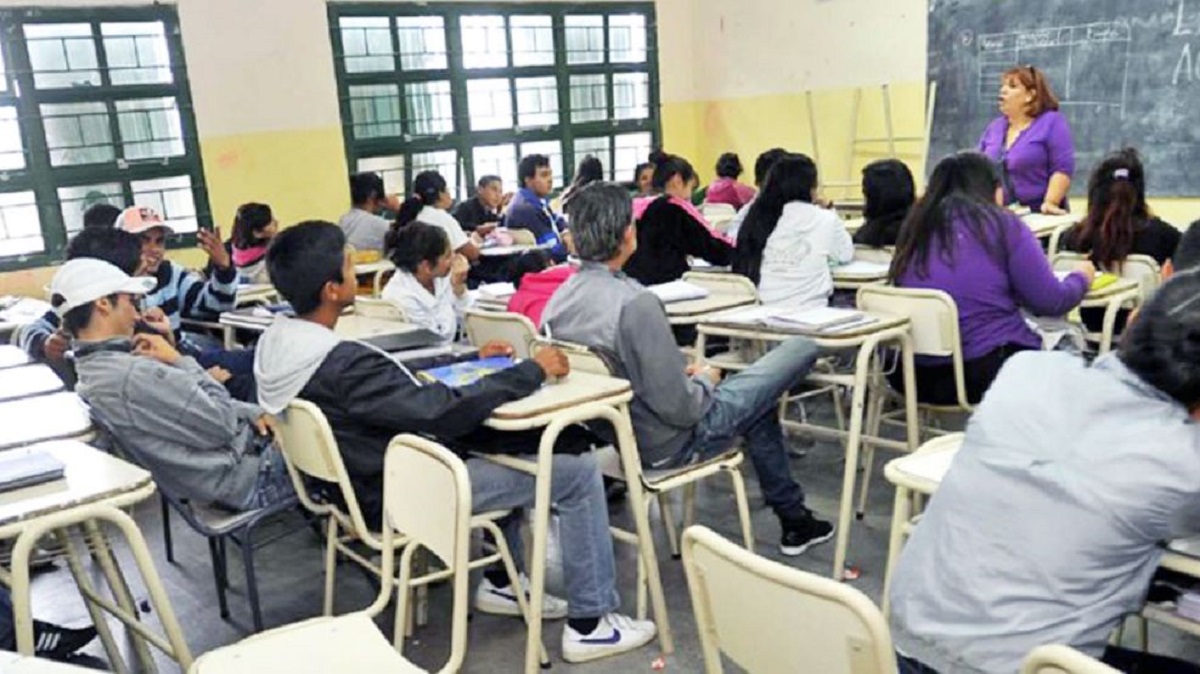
[529, 76]
[104, 114]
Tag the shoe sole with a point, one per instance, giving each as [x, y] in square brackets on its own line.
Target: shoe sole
[513, 611]
[599, 653]
[801, 549]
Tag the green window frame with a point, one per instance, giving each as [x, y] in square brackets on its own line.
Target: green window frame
[469, 89]
[94, 107]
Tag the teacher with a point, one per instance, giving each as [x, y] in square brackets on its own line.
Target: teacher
[1031, 143]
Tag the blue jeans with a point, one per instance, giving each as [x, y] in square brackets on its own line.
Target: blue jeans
[747, 404]
[8, 632]
[909, 666]
[578, 496]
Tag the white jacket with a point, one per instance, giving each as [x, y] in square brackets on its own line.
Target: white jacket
[438, 311]
[795, 264]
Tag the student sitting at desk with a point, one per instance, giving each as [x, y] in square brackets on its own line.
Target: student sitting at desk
[726, 189]
[681, 414]
[482, 212]
[590, 170]
[643, 175]
[670, 229]
[888, 194]
[530, 207]
[787, 244]
[368, 398]
[1050, 522]
[536, 278]
[164, 409]
[428, 204]
[253, 227]
[959, 240]
[364, 227]
[430, 283]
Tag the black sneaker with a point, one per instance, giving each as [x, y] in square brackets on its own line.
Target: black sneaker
[57, 642]
[801, 534]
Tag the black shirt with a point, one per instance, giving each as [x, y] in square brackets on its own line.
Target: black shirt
[472, 213]
[1153, 237]
[667, 235]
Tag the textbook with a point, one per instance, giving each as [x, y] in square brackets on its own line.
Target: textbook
[824, 320]
[467, 372]
[27, 468]
[678, 291]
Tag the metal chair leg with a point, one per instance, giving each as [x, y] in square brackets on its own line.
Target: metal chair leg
[247, 546]
[218, 577]
[166, 525]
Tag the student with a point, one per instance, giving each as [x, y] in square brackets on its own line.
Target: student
[787, 243]
[1048, 526]
[253, 228]
[643, 176]
[670, 230]
[530, 208]
[1187, 254]
[590, 170]
[726, 189]
[103, 216]
[482, 212]
[368, 398]
[889, 193]
[681, 414]
[365, 229]
[959, 240]
[536, 279]
[430, 283]
[53, 642]
[428, 204]
[762, 167]
[162, 406]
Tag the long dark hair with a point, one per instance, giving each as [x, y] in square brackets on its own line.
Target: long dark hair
[889, 192]
[417, 243]
[962, 187]
[1116, 207]
[250, 219]
[427, 190]
[793, 178]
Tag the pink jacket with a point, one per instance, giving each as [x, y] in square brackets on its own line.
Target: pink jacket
[729, 191]
[535, 291]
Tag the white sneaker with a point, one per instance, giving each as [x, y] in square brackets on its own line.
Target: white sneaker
[502, 601]
[615, 634]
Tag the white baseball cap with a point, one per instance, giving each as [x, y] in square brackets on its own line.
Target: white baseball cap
[84, 280]
[138, 219]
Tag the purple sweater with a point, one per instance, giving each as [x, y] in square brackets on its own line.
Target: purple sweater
[1042, 150]
[990, 292]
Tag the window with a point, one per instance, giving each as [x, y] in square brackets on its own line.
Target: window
[468, 90]
[95, 108]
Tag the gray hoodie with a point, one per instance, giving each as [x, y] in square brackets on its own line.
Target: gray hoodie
[288, 355]
[197, 441]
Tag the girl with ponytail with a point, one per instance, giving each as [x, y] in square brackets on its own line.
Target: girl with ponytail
[429, 202]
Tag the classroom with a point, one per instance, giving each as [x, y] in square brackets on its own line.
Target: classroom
[822, 336]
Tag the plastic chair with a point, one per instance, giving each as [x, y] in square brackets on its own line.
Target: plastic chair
[522, 237]
[484, 326]
[1139, 268]
[374, 307]
[748, 608]
[427, 496]
[1058, 659]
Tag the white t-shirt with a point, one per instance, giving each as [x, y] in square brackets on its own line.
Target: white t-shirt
[438, 311]
[795, 265]
[454, 231]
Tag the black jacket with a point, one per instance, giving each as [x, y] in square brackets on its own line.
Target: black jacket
[472, 213]
[667, 235]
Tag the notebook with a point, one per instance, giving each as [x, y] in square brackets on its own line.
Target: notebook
[405, 341]
[678, 291]
[467, 372]
[26, 468]
[824, 320]
[1101, 280]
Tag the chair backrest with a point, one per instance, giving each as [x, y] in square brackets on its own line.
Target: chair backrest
[844, 632]
[1058, 659]
[582, 358]
[484, 326]
[711, 210]
[522, 237]
[1140, 268]
[723, 283]
[869, 254]
[373, 307]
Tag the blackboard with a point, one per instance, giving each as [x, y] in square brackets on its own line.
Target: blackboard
[1127, 73]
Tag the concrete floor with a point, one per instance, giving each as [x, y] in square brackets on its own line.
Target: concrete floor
[290, 575]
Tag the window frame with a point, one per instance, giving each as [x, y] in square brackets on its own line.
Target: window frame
[44, 179]
[461, 138]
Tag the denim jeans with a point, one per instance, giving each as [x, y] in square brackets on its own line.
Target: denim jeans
[909, 666]
[8, 633]
[578, 496]
[747, 404]
[274, 484]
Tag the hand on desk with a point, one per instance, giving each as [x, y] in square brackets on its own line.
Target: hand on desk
[553, 362]
[494, 348]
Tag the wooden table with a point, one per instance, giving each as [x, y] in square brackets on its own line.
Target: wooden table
[578, 397]
[887, 329]
[41, 418]
[13, 356]
[690, 312]
[28, 381]
[94, 488]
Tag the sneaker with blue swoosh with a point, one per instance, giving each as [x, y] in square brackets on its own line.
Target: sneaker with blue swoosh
[502, 601]
[614, 634]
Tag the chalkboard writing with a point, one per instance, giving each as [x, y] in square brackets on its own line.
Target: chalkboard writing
[1127, 73]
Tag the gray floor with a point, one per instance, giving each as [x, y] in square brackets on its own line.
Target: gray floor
[291, 581]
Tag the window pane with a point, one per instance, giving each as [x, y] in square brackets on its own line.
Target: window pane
[391, 169]
[631, 95]
[422, 42]
[444, 162]
[375, 110]
[589, 98]
[150, 128]
[20, 226]
[598, 148]
[75, 200]
[585, 39]
[172, 198]
[367, 43]
[532, 40]
[497, 160]
[550, 148]
[627, 38]
[77, 133]
[428, 109]
[137, 53]
[537, 101]
[629, 150]
[3, 74]
[485, 44]
[12, 149]
[62, 55]
[490, 104]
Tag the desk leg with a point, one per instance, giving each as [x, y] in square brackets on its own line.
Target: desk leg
[120, 589]
[537, 556]
[853, 441]
[99, 619]
[912, 422]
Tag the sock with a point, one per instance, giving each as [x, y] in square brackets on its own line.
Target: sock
[584, 625]
[496, 576]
